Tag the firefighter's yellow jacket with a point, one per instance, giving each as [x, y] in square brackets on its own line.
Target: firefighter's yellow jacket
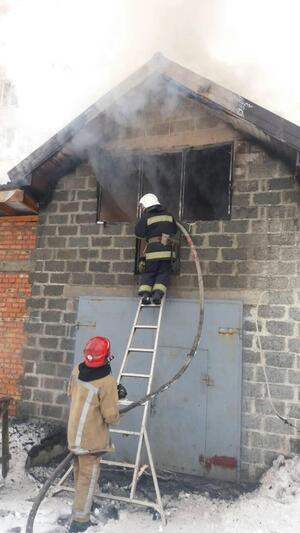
[94, 405]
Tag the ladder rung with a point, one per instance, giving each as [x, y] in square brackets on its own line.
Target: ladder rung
[117, 463]
[141, 350]
[133, 375]
[130, 500]
[150, 305]
[125, 432]
[145, 327]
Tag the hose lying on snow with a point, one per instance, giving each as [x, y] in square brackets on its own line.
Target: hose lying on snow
[150, 396]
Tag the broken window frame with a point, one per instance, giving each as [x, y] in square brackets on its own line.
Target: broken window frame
[183, 151]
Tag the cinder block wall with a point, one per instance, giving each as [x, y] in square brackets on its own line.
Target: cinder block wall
[17, 241]
[257, 250]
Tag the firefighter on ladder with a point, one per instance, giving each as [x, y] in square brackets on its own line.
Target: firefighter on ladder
[157, 227]
[94, 406]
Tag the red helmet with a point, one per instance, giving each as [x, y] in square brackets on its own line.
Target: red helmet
[96, 351]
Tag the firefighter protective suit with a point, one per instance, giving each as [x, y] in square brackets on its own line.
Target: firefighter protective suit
[157, 227]
[94, 405]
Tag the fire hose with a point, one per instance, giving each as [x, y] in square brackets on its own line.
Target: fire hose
[148, 397]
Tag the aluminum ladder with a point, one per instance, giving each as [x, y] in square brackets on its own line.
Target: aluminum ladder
[142, 435]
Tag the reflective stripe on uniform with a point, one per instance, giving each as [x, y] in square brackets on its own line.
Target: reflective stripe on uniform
[145, 288]
[159, 218]
[158, 255]
[87, 504]
[94, 479]
[159, 287]
[92, 391]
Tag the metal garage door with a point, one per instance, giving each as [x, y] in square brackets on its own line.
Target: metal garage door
[195, 426]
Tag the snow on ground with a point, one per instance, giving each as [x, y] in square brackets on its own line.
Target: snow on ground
[273, 508]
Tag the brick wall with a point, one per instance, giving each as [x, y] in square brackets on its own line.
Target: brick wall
[17, 240]
[257, 250]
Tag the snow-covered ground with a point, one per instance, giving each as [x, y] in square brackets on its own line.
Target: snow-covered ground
[272, 508]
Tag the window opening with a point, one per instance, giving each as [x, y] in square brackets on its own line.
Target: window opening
[207, 184]
[118, 189]
[162, 176]
[193, 184]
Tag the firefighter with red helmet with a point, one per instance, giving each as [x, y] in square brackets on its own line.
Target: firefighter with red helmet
[94, 406]
[158, 227]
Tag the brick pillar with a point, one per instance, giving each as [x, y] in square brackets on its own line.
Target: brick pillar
[17, 241]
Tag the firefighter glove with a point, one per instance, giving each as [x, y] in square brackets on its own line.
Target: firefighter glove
[122, 392]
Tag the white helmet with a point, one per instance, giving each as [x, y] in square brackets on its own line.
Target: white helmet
[149, 200]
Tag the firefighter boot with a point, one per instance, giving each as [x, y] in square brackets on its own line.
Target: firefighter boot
[77, 527]
[146, 300]
[156, 297]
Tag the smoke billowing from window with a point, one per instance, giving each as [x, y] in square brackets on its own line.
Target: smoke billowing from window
[61, 55]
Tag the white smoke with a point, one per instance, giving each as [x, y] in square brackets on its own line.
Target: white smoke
[64, 54]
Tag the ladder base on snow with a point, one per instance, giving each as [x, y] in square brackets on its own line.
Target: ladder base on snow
[142, 434]
[60, 487]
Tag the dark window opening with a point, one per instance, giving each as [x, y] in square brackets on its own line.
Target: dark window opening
[118, 189]
[161, 175]
[193, 184]
[207, 184]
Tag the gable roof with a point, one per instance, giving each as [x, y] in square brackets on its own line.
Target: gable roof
[60, 153]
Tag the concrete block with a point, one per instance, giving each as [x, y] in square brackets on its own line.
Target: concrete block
[272, 342]
[76, 266]
[54, 266]
[220, 241]
[251, 455]
[273, 424]
[30, 381]
[40, 395]
[51, 411]
[252, 421]
[274, 375]
[67, 344]
[276, 327]
[284, 392]
[234, 254]
[99, 266]
[51, 316]
[53, 356]
[53, 290]
[59, 277]
[78, 242]
[89, 253]
[105, 279]
[294, 345]
[48, 342]
[57, 303]
[294, 446]
[81, 279]
[280, 359]
[271, 311]
[268, 198]
[103, 241]
[90, 229]
[264, 406]
[294, 377]
[66, 231]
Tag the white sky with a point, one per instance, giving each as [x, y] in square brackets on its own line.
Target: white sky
[64, 54]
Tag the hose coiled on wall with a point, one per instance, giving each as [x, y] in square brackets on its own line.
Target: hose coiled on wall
[148, 397]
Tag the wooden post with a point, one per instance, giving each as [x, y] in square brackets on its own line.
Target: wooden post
[4, 405]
